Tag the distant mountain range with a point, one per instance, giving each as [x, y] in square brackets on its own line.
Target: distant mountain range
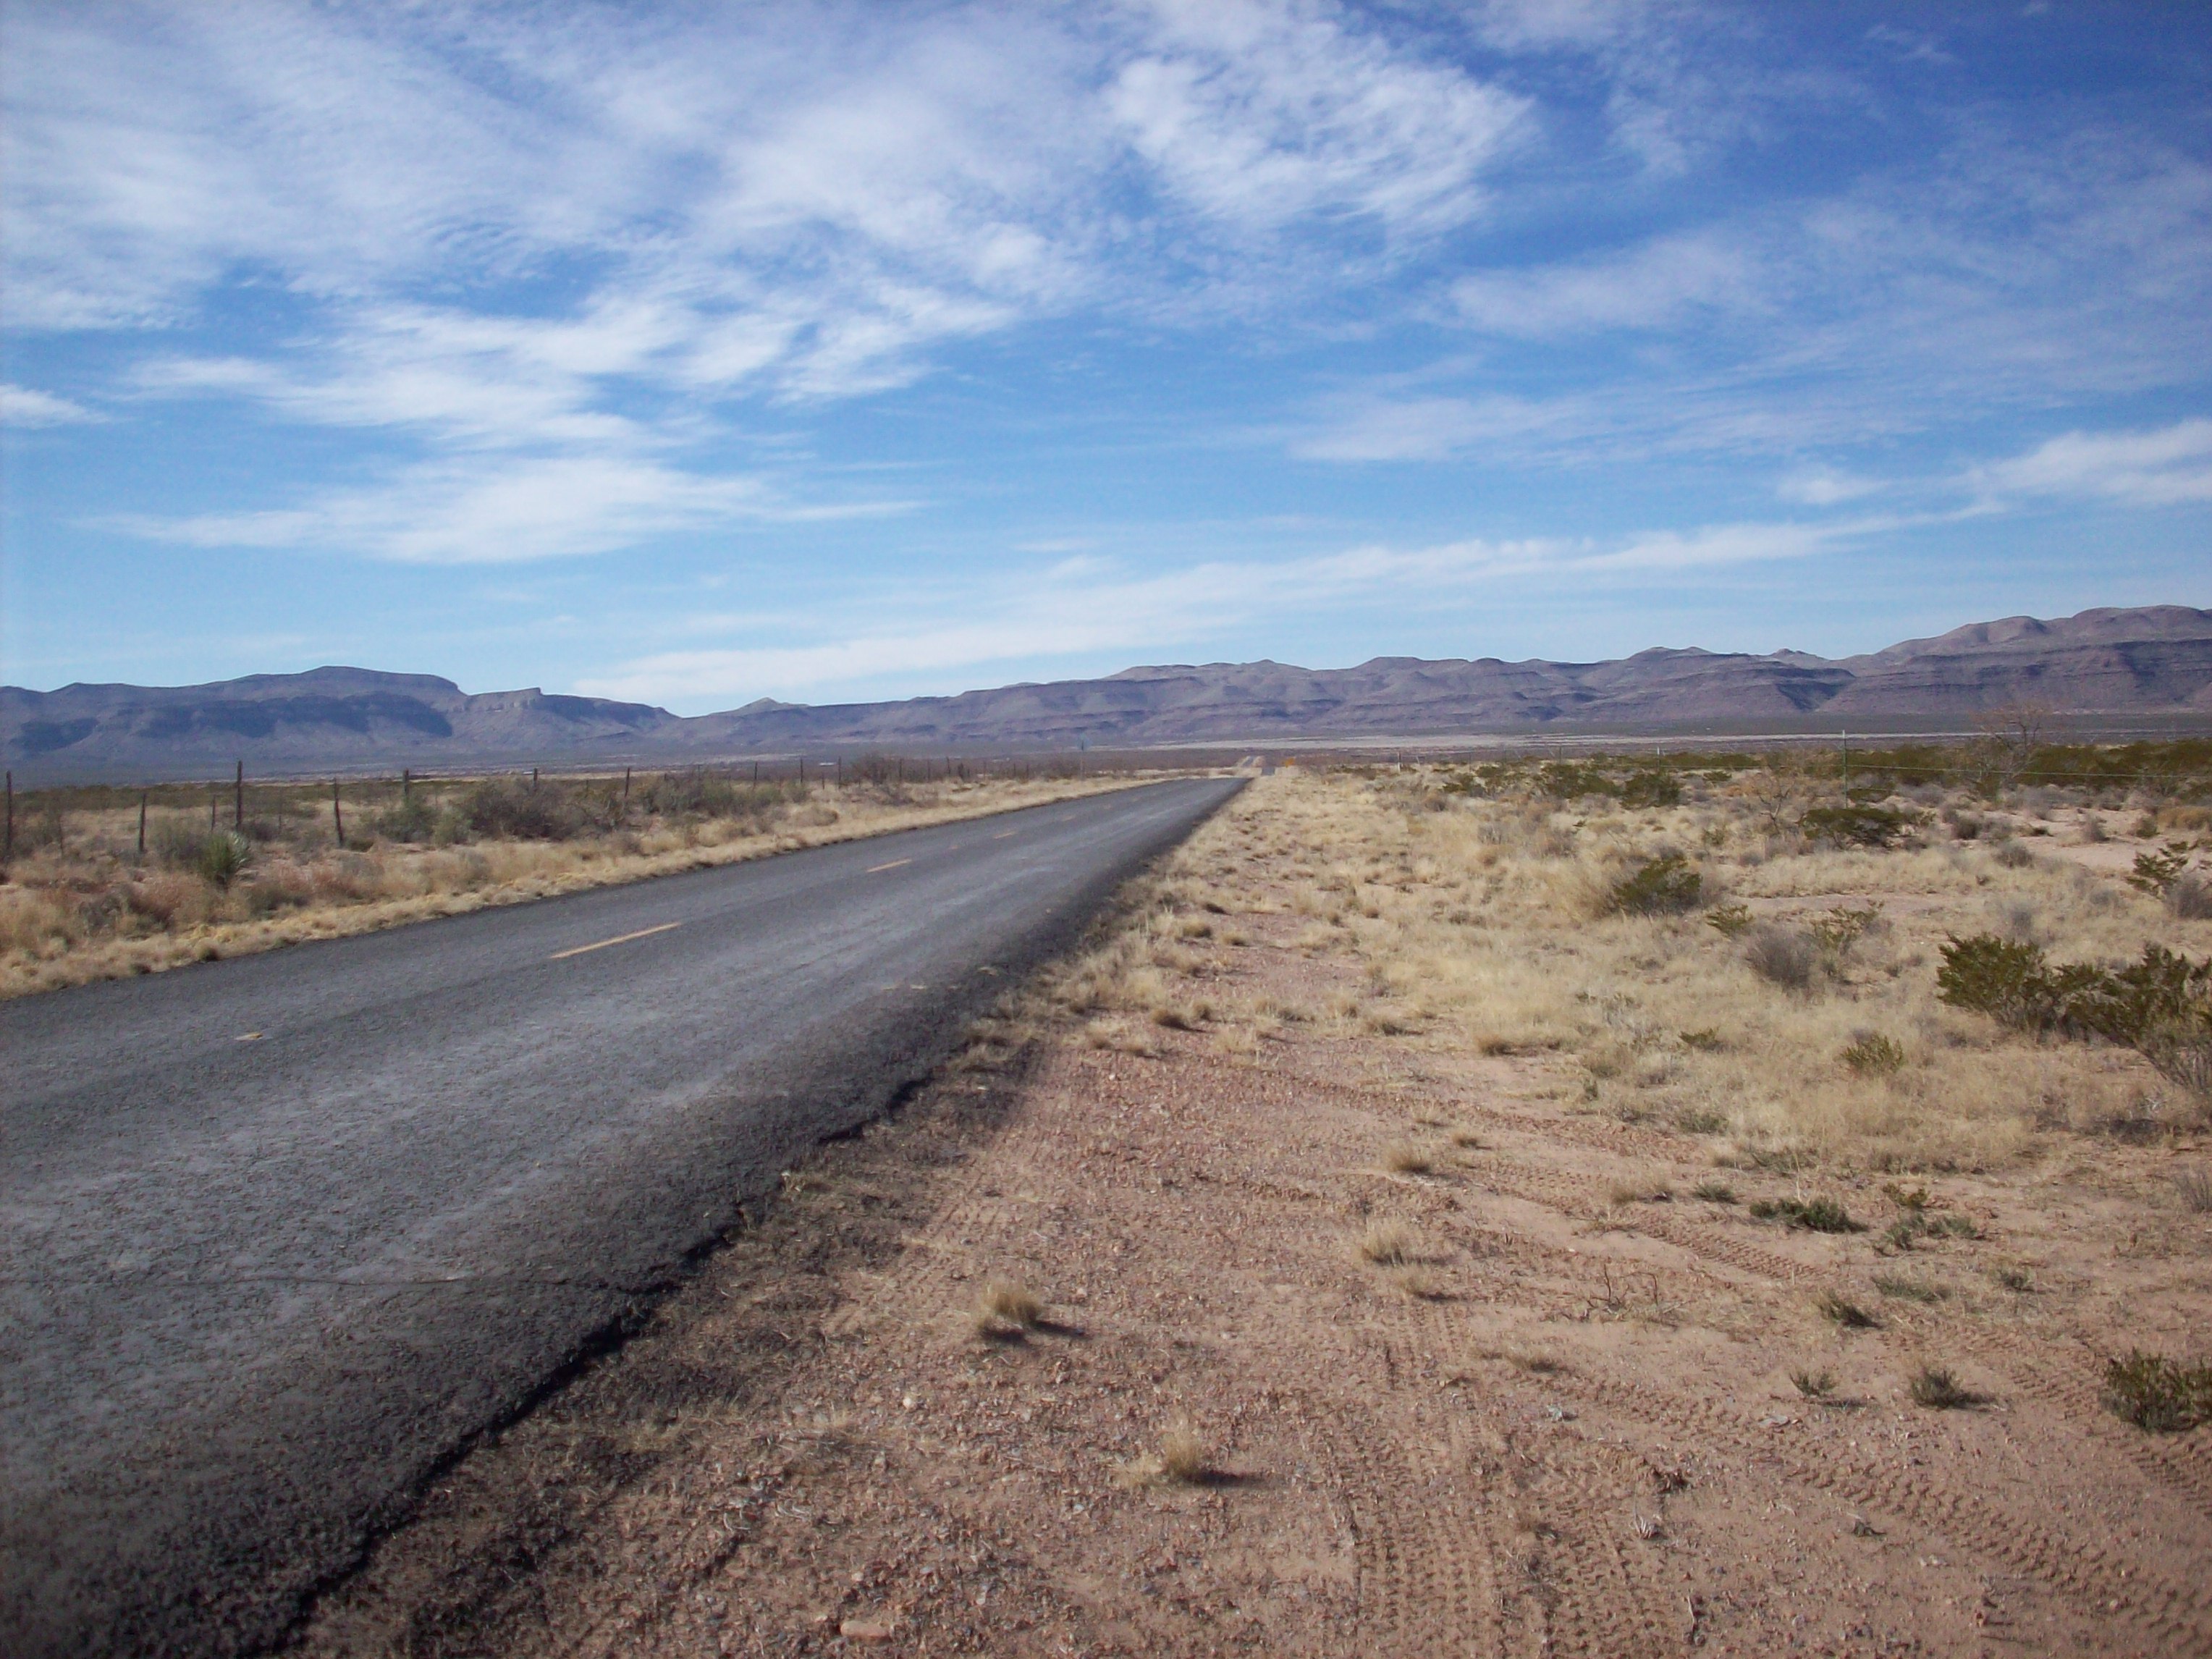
[2154, 659]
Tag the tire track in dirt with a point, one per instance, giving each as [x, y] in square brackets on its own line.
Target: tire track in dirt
[1425, 1578]
[2087, 1573]
[2183, 1464]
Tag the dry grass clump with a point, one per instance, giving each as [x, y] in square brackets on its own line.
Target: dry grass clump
[1408, 1157]
[1417, 1283]
[1388, 1243]
[2194, 1189]
[1813, 1385]
[1006, 1310]
[1181, 1460]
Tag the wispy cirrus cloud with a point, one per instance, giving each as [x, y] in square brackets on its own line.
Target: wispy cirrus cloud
[2163, 467]
[502, 236]
[509, 511]
[26, 406]
[1071, 611]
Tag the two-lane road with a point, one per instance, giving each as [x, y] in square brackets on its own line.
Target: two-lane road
[277, 1233]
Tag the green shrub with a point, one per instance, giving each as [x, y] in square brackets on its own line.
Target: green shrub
[513, 808]
[1818, 1215]
[1669, 883]
[1652, 789]
[414, 819]
[2005, 978]
[2161, 1006]
[1730, 921]
[1872, 1054]
[1939, 1389]
[2157, 1394]
[1840, 1309]
[1843, 928]
[2156, 872]
[222, 858]
[1857, 826]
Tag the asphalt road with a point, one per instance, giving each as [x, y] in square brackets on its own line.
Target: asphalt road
[278, 1233]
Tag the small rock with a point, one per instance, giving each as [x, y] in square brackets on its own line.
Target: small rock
[878, 1629]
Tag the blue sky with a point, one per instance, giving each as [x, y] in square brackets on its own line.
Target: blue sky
[696, 352]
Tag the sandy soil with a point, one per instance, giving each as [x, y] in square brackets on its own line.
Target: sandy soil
[1566, 1422]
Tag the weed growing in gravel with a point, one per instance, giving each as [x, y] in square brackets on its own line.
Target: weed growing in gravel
[2194, 1189]
[1814, 1385]
[2159, 1394]
[1818, 1215]
[1938, 1389]
[1908, 1290]
[1839, 1309]
[1714, 1192]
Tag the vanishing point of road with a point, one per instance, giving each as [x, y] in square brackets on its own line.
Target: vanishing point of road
[277, 1233]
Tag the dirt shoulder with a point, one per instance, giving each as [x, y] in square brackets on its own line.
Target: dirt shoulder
[1472, 1362]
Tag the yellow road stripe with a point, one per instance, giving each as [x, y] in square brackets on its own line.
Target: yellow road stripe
[893, 864]
[624, 938]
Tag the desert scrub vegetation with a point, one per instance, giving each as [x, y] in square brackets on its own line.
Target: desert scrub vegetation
[105, 882]
[1732, 945]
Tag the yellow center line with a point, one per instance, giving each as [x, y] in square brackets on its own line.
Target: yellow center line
[873, 868]
[623, 938]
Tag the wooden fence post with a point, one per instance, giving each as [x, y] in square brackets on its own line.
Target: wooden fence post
[7, 847]
[238, 797]
[142, 826]
[337, 814]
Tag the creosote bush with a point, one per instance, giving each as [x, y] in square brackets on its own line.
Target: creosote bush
[1857, 826]
[1661, 886]
[2159, 1006]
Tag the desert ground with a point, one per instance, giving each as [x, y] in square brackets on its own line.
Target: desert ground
[1416, 1226]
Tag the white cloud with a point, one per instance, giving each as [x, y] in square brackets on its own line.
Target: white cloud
[1067, 613]
[1427, 429]
[2159, 468]
[503, 511]
[1825, 486]
[1652, 286]
[26, 406]
[1262, 114]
